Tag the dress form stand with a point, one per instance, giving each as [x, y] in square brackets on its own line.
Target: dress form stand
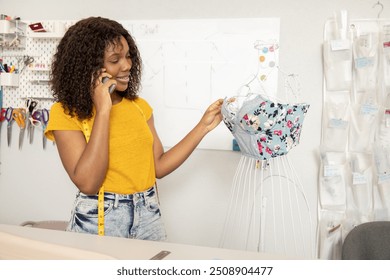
[268, 210]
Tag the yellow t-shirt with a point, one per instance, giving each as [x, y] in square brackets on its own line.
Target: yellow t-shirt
[131, 162]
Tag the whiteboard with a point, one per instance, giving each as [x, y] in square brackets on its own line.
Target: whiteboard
[188, 64]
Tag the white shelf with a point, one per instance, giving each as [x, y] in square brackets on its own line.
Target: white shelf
[12, 34]
[40, 82]
[48, 35]
[13, 27]
[38, 69]
[53, 29]
[9, 79]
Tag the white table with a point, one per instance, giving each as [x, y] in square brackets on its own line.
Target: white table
[17, 242]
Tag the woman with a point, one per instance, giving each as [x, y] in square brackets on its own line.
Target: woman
[108, 143]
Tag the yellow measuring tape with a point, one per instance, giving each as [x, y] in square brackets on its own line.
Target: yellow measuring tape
[87, 134]
[101, 211]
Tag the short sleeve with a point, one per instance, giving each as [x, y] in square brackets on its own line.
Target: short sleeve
[145, 107]
[59, 120]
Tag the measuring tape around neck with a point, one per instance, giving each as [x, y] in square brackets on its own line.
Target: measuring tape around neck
[87, 134]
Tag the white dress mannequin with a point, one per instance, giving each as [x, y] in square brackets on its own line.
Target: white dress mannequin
[268, 210]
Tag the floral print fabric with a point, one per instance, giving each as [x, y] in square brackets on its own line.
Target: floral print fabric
[263, 128]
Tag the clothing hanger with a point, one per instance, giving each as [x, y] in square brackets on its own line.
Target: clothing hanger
[266, 63]
[266, 66]
[381, 8]
[291, 83]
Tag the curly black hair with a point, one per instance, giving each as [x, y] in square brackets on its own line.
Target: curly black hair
[79, 59]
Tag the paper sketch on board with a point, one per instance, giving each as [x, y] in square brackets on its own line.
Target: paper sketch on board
[188, 64]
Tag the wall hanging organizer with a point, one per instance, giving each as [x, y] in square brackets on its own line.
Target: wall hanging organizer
[354, 177]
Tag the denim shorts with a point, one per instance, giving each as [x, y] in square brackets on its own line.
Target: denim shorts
[135, 216]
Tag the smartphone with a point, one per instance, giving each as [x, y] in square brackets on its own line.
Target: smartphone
[111, 88]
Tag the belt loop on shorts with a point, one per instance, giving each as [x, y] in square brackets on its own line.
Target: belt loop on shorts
[116, 202]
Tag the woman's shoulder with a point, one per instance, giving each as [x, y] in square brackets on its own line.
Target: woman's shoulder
[56, 106]
[144, 105]
[57, 109]
[141, 101]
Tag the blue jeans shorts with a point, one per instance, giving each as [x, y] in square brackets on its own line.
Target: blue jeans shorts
[135, 216]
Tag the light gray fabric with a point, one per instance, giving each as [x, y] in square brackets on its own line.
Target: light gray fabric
[368, 241]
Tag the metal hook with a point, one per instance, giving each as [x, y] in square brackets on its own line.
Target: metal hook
[381, 8]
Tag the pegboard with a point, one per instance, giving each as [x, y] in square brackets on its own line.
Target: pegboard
[33, 78]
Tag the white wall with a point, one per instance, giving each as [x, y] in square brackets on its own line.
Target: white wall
[33, 184]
